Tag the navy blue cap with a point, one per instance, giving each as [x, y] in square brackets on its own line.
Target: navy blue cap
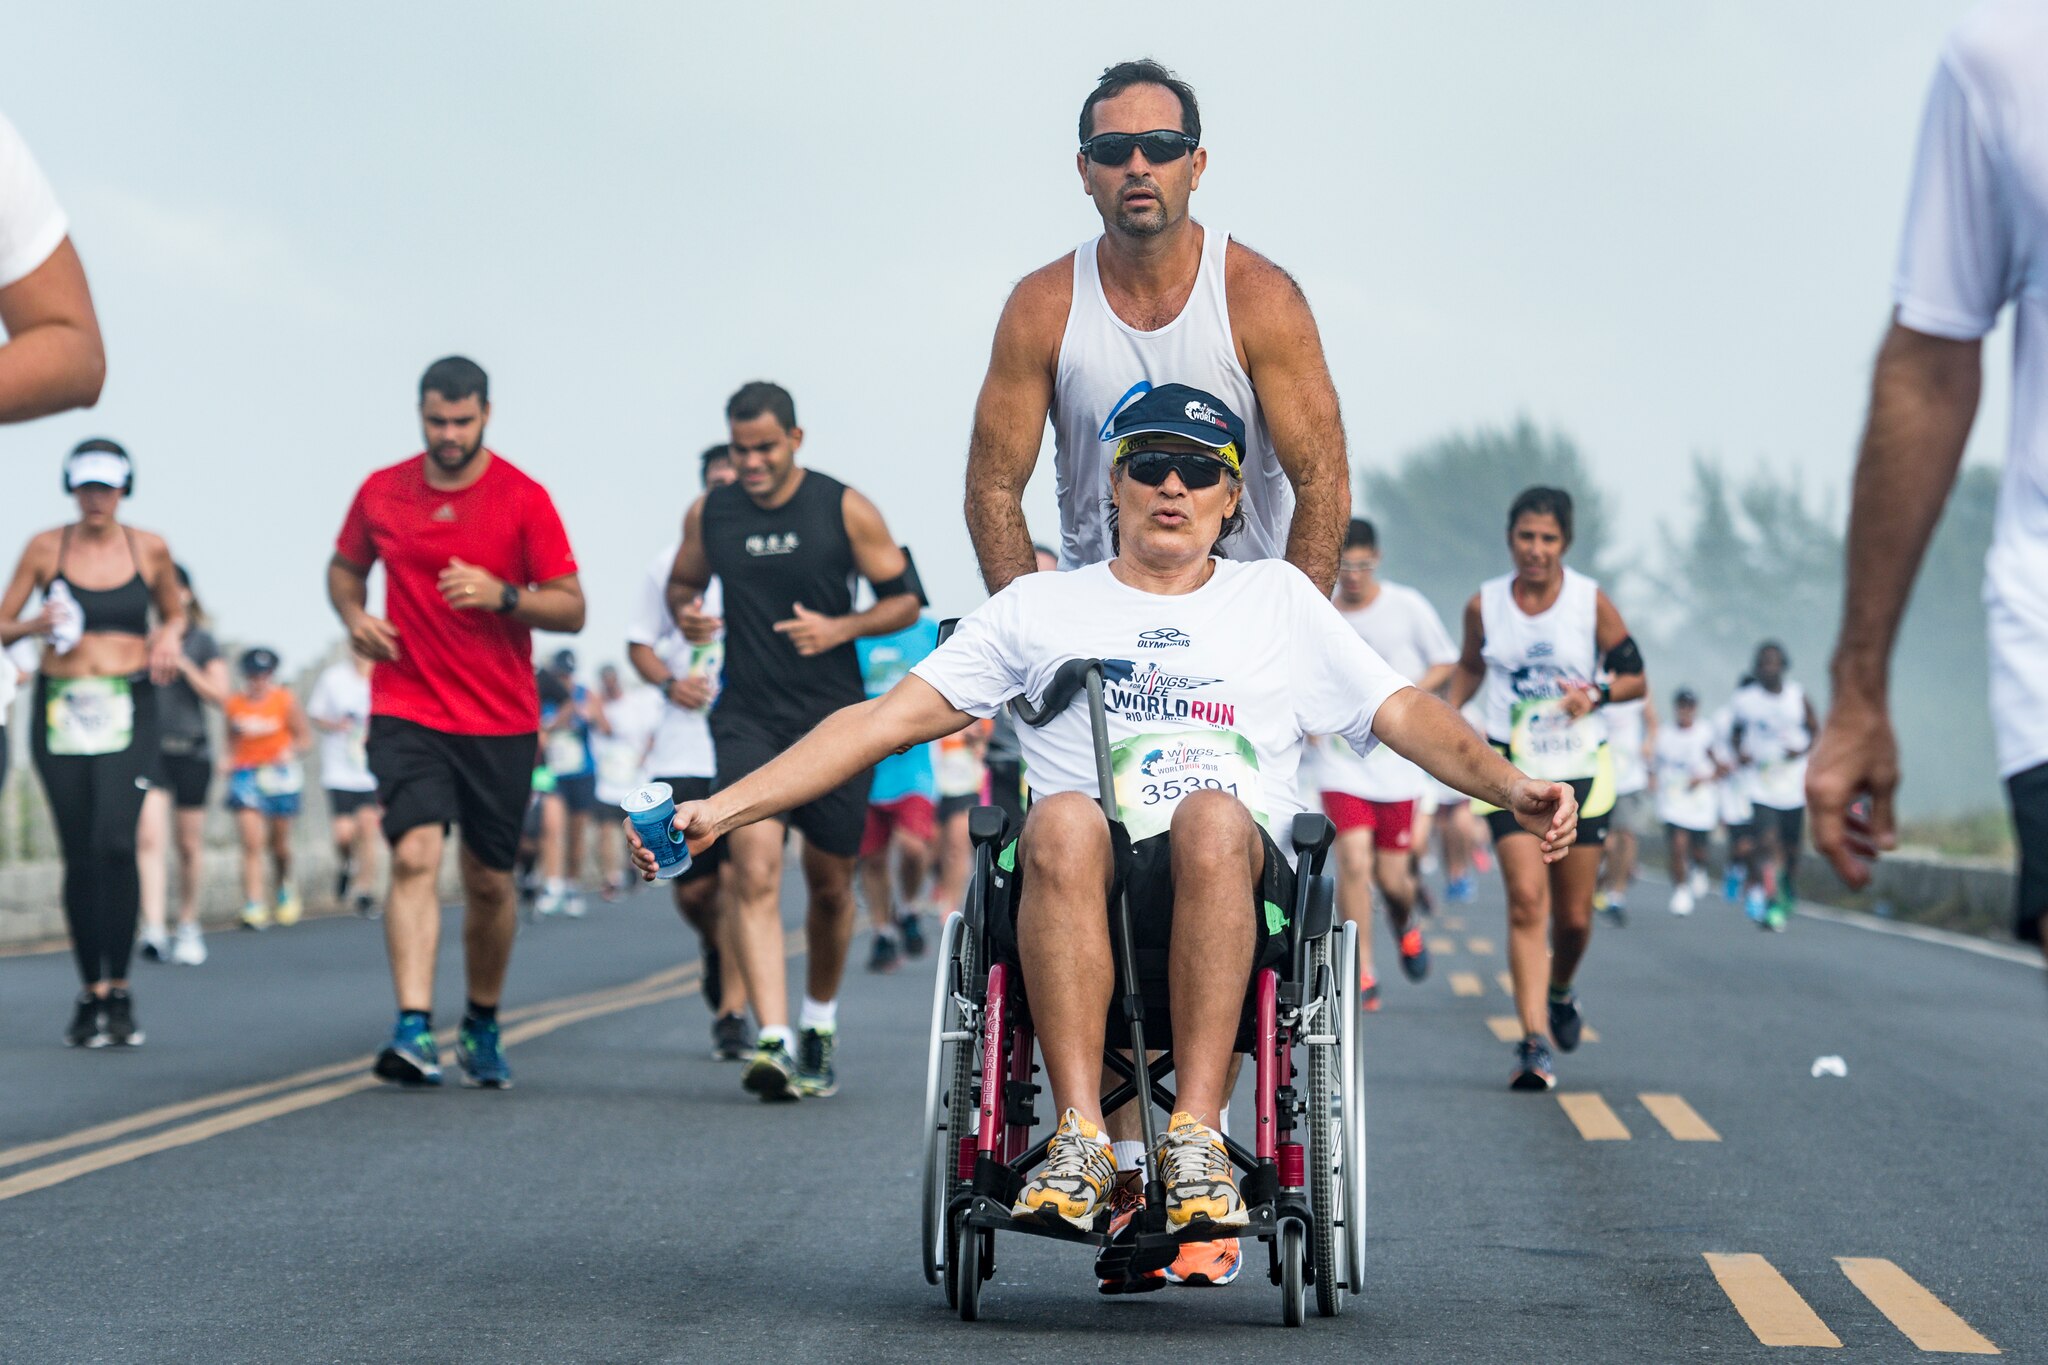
[1178, 410]
[259, 660]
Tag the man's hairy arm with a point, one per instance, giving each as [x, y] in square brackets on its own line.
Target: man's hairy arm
[53, 359]
[691, 573]
[1283, 353]
[1009, 422]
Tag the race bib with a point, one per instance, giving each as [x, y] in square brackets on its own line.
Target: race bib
[1547, 744]
[280, 779]
[565, 752]
[88, 716]
[1155, 773]
[618, 766]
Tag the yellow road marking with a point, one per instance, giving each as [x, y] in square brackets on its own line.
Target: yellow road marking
[1454, 923]
[1506, 1027]
[1507, 983]
[1480, 947]
[42, 1177]
[1927, 1322]
[1443, 946]
[1680, 1119]
[169, 1113]
[1466, 983]
[1771, 1307]
[1593, 1118]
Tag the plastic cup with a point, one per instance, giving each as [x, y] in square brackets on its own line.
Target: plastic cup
[652, 809]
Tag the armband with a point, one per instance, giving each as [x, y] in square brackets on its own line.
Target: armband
[1624, 658]
[907, 581]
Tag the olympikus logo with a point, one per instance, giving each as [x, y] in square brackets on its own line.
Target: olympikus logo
[1166, 637]
[774, 543]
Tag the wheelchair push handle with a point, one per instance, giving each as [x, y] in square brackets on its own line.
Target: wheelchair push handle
[1069, 680]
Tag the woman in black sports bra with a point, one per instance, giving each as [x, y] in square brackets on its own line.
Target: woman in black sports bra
[93, 726]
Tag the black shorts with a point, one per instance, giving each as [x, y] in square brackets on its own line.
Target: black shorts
[708, 862]
[341, 803]
[478, 782]
[833, 824]
[1592, 831]
[188, 777]
[1789, 826]
[950, 806]
[2028, 792]
[1148, 878]
[579, 793]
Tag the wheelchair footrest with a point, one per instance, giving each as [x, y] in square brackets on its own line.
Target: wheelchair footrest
[1149, 1245]
[987, 1213]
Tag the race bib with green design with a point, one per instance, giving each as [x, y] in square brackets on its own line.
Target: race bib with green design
[1545, 742]
[565, 751]
[87, 716]
[280, 779]
[1154, 773]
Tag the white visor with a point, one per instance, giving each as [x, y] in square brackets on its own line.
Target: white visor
[95, 466]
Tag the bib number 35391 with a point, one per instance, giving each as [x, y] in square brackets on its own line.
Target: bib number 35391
[1545, 742]
[89, 716]
[1155, 773]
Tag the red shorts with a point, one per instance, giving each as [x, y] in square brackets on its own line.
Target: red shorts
[915, 815]
[1392, 822]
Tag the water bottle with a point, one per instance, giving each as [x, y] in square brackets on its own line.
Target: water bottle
[652, 809]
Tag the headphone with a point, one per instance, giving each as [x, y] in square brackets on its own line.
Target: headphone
[100, 445]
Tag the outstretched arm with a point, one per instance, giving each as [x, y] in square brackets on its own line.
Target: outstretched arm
[53, 359]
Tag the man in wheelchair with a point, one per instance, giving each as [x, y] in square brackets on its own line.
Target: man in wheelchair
[1214, 672]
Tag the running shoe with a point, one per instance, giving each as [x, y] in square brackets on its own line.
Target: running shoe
[1532, 1066]
[1426, 864]
[1200, 1185]
[120, 1028]
[884, 956]
[1778, 914]
[1073, 1185]
[155, 946]
[344, 875]
[1461, 890]
[411, 1058]
[1566, 1022]
[815, 1075]
[731, 1039]
[1414, 955]
[1368, 992]
[572, 905]
[1615, 911]
[1206, 1263]
[772, 1072]
[189, 948]
[1482, 859]
[255, 915]
[1755, 905]
[1113, 1263]
[714, 977]
[1425, 904]
[288, 907]
[1697, 882]
[1731, 885]
[88, 1023]
[365, 906]
[913, 935]
[1682, 901]
[547, 903]
[482, 1058]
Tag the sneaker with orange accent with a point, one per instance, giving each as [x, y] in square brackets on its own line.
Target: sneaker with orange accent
[1368, 992]
[1206, 1263]
[1073, 1185]
[1414, 955]
[1126, 1198]
[1200, 1185]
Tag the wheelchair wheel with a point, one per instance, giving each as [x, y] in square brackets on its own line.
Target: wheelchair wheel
[946, 1064]
[970, 1253]
[1326, 1085]
[1293, 1297]
[1353, 1113]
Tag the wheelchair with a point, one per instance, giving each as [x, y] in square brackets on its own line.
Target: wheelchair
[1302, 1180]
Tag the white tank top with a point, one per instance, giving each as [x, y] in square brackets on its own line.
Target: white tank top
[1775, 738]
[1530, 657]
[1105, 364]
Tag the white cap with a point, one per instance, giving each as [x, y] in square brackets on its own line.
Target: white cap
[95, 466]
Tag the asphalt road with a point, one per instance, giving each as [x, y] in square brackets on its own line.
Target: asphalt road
[236, 1192]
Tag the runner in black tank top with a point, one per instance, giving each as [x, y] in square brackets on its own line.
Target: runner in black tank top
[787, 544]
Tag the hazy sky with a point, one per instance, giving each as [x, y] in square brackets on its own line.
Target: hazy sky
[1664, 228]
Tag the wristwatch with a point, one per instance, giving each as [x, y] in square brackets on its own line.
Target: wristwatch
[1606, 694]
[508, 599]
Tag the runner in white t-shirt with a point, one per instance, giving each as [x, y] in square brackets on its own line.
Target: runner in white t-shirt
[1682, 774]
[1372, 799]
[340, 711]
[682, 656]
[1775, 723]
[1216, 672]
[1975, 240]
[622, 728]
[51, 358]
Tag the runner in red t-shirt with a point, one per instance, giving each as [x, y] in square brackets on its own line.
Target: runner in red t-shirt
[475, 559]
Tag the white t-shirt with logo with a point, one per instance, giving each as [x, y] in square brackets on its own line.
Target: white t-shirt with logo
[1213, 688]
[342, 694]
[1404, 629]
[1625, 745]
[1976, 239]
[31, 223]
[1687, 794]
[682, 739]
[1774, 741]
[1736, 806]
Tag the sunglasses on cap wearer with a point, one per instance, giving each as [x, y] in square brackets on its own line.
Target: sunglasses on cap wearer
[1196, 471]
[1160, 146]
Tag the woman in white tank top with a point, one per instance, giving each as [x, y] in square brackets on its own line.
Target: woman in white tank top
[1537, 640]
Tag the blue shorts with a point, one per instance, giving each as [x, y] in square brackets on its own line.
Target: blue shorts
[272, 791]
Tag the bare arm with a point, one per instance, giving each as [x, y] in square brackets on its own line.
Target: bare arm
[692, 693]
[1421, 728]
[29, 574]
[1470, 670]
[348, 589]
[211, 683]
[1923, 398]
[167, 642]
[53, 359]
[295, 721]
[1610, 630]
[1438, 676]
[691, 574]
[1283, 353]
[1009, 421]
[879, 560]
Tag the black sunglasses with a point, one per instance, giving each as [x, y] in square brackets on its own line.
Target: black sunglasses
[1196, 471]
[1160, 146]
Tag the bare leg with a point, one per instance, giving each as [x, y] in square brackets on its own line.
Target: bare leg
[754, 863]
[249, 825]
[828, 923]
[1394, 870]
[412, 916]
[579, 825]
[554, 821]
[344, 832]
[191, 828]
[1063, 942]
[369, 834]
[1457, 837]
[152, 858]
[913, 867]
[734, 982]
[874, 889]
[956, 855]
[281, 852]
[489, 924]
[1528, 888]
[1354, 889]
[1571, 911]
[611, 847]
[1217, 858]
[1680, 842]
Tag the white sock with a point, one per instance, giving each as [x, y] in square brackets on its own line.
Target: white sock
[1223, 1121]
[1130, 1156]
[822, 1015]
[780, 1033]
